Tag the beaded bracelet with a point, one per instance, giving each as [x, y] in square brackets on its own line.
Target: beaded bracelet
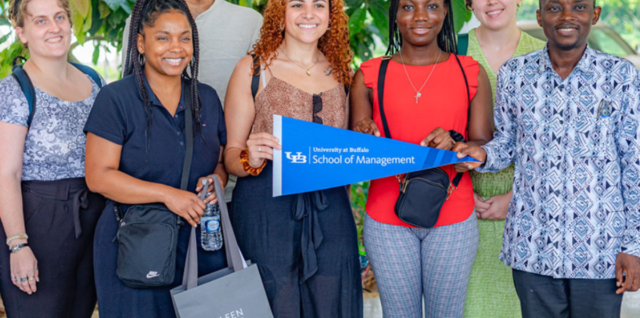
[244, 160]
[18, 236]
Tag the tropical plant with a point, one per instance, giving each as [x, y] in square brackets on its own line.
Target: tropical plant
[102, 22]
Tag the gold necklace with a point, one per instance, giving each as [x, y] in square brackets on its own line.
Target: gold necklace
[292, 61]
[418, 94]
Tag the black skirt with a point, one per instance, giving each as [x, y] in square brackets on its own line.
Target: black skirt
[60, 218]
[305, 247]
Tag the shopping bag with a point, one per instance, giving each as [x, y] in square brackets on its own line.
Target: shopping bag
[233, 292]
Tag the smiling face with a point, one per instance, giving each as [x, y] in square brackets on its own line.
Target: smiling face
[420, 21]
[167, 43]
[306, 20]
[495, 14]
[46, 29]
[567, 23]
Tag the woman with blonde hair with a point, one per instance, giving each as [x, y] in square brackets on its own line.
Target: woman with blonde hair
[305, 245]
[47, 212]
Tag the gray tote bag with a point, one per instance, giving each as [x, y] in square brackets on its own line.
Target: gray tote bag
[236, 291]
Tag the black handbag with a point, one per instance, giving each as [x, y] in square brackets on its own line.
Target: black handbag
[148, 233]
[422, 193]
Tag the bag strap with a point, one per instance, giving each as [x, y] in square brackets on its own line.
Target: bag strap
[188, 125]
[382, 74]
[90, 72]
[28, 89]
[456, 180]
[381, 81]
[26, 85]
[235, 260]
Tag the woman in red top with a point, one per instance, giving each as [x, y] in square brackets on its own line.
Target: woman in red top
[425, 97]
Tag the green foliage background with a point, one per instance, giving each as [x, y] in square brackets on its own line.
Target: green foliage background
[102, 22]
[622, 15]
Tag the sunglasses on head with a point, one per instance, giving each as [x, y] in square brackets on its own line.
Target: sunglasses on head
[317, 107]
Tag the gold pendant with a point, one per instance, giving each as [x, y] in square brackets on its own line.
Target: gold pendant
[308, 72]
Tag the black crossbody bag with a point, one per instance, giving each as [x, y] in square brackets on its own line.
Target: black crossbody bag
[148, 233]
[422, 193]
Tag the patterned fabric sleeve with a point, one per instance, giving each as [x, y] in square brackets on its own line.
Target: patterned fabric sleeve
[14, 108]
[501, 150]
[628, 140]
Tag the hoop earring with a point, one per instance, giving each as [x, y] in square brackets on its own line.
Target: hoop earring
[281, 26]
[141, 59]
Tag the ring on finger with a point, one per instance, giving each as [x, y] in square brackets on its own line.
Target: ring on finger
[31, 278]
[259, 149]
[14, 278]
[23, 280]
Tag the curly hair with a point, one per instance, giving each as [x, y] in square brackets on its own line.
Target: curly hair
[334, 44]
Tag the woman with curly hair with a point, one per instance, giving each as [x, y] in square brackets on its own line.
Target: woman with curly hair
[305, 245]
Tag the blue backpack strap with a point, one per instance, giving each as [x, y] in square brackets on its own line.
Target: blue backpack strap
[463, 43]
[27, 88]
[89, 71]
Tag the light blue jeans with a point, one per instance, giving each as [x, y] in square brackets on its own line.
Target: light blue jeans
[410, 263]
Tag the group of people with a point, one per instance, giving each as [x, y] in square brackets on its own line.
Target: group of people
[555, 197]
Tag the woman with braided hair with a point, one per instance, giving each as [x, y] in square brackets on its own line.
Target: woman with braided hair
[136, 147]
[305, 245]
[429, 92]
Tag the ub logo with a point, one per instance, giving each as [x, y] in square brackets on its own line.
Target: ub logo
[298, 158]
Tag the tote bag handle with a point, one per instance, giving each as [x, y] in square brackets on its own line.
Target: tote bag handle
[235, 260]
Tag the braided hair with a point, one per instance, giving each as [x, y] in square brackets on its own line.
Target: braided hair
[447, 38]
[145, 13]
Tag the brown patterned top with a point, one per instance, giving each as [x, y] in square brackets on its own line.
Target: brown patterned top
[282, 98]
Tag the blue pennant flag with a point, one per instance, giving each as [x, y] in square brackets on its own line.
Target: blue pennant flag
[316, 157]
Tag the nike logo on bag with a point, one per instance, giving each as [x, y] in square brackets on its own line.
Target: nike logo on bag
[152, 274]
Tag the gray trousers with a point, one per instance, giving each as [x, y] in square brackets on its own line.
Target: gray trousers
[545, 296]
[412, 263]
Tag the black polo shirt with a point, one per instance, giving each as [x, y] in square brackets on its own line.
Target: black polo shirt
[118, 116]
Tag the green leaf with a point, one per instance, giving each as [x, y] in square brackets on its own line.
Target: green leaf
[460, 14]
[115, 4]
[103, 9]
[96, 54]
[4, 38]
[356, 20]
[379, 11]
[5, 22]
[82, 6]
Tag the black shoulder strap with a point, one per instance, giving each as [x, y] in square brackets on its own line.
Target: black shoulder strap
[89, 71]
[255, 80]
[382, 74]
[458, 177]
[188, 126]
[463, 43]
[25, 84]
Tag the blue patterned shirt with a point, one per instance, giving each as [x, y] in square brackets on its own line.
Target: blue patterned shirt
[576, 148]
[54, 146]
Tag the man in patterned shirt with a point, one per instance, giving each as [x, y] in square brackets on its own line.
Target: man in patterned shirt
[569, 117]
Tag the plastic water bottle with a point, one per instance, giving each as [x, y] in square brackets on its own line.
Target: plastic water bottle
[210, 228]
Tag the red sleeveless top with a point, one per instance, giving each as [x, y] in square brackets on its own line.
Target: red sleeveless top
[443, 104]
